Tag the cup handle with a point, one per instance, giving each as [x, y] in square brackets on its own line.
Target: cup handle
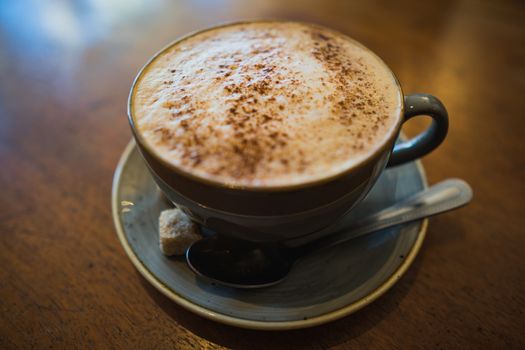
[427, 141]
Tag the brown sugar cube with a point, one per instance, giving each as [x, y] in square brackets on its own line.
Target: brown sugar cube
[176, 232]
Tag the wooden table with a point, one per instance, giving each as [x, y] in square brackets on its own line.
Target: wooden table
[66, 69]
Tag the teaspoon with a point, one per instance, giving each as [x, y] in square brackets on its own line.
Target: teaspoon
[243, 264]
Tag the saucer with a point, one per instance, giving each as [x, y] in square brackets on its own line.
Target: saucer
[322, 287]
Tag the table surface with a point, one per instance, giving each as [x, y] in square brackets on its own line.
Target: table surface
[66, 68]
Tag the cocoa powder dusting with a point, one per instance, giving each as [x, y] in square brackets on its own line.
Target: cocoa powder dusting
[348, 71]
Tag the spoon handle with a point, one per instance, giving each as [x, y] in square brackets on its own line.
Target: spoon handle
[439, 198]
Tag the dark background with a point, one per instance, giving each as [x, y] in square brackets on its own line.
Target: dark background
[65, 72]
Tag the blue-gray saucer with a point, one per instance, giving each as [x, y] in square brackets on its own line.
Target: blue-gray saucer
[321, 287]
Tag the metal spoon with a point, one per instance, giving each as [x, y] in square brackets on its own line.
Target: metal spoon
[243, 264]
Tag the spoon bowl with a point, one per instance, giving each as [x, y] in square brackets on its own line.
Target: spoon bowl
[240, 264]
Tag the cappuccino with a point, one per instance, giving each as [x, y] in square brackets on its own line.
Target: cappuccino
[266, 104]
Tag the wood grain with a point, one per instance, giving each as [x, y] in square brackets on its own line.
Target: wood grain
[66, 69]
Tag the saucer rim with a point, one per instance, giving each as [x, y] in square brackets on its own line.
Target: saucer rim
[252, 324]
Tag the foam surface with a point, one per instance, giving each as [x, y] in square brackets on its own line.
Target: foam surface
[266, 104]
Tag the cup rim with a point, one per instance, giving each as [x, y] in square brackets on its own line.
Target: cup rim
[260, 188]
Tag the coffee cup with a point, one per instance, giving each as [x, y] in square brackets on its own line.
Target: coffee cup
[252, 203]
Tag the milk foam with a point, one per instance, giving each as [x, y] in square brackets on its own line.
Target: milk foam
[266, 104]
